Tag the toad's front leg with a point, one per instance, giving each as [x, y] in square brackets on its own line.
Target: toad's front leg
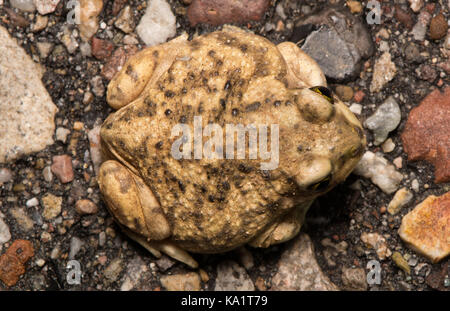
[137, 211]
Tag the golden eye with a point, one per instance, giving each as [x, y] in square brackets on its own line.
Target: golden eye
[321, 185]
[325, 92]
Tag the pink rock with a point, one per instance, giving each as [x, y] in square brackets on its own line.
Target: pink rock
[101, 49]
[218, 12]
[46, 6]
[62, 168]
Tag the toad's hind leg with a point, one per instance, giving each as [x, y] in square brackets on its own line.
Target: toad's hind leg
[137, 211]
[285, 229]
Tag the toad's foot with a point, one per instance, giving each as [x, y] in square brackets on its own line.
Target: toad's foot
[283, 230]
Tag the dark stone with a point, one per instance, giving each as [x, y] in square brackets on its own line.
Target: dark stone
[340, 43]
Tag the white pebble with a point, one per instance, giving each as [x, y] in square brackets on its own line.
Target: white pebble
[32, 202]
[158, 23]
[380, 172]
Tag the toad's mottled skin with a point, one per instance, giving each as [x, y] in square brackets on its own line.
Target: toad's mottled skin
[210, 206]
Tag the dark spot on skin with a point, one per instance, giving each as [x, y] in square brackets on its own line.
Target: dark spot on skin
[182, 119]
[168, 112]
[137, 224]
[227, 86]
[225, 186]
[182, 186]
[157, 210]
[159, 145]
[222, 103]
[156, 53]
[265, 174]
[299, 148]
[234, 112]
[169, 94]
[277, 103]
[125, 185]
[203, 189]
[130, 72]
[211, 53]
[267, 100]
[200, 107]
[211, 198]
[243, 48]
[184, 90]
[244, 168]
[287, 103]
[253, 107]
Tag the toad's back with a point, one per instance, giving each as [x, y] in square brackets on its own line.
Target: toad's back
[211, 205]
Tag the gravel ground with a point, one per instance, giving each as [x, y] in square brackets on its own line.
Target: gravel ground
[335, 222]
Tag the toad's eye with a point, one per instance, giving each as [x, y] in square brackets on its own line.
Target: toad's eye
[321, 185]
[325, 92]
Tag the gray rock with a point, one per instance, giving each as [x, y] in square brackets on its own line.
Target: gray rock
[412, 53]
[384, 71]
[44, 49]
[26, 110]
[298, 268]
[5, 235]
[231, 276]
[22, 219]
[385, 119]
[67, 37]
[340, 44]
[165, 263]
[136, 269]
[6, 175]
[113, 270]
[354, 279]
[75, 247]
[61, 134]
[331, 53]
[23, 5]
[420, 28]
[97, 86]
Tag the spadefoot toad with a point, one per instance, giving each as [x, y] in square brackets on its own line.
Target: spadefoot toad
[201, 204]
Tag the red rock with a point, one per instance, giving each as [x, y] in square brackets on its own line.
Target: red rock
[359, 96]
[426, 133]
[101, 49]
[430, 7]
[117, 60]
[218, 12]
[62, 168]
[86, 207]
[403, 17]
[427, 227]
[13, 260]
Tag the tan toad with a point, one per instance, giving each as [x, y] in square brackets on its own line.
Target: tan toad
[211, 205]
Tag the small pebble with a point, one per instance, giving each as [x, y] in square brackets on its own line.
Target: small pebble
[86, 207]
[438, 27]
